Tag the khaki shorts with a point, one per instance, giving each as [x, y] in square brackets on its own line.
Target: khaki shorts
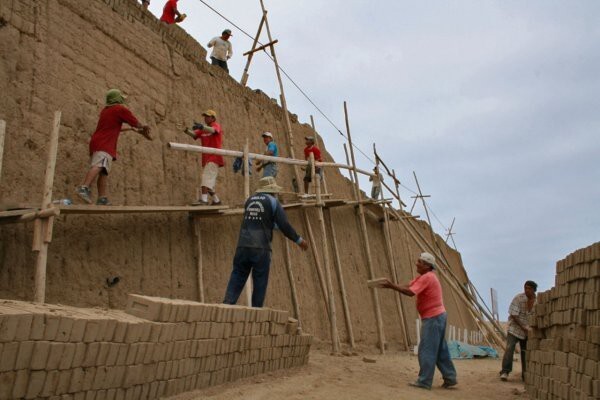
[209, 175]
[101, 159]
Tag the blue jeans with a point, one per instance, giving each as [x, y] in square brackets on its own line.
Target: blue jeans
[270, 169]
[507, 360]
[245, 260]
[433, 351]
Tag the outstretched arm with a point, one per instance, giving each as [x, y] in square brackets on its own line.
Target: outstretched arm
[404, 289]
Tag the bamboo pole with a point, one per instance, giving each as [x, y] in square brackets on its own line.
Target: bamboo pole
[262, 157]
[340, 278]
[394, 276]
[199, 266]
[244, 79]
[290, 275]
[316, 258]
[264, 46]
[312, 123]
[286, 114]
[246, 168]
[39, 295]
[335, 341]
[365, 240]
[2, 135]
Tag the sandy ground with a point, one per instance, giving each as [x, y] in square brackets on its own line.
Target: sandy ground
[349, 377]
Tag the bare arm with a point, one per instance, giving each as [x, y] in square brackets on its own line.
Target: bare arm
[404, 289]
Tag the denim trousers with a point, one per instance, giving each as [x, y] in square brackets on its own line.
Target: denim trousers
[433, 351]
[507, 360]
[248, 260]
[270, 169]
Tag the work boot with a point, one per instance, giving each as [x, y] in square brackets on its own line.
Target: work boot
[84, 193]
[102, 201]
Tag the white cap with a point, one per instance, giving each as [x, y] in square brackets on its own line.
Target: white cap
[267, 134]
[428, 258]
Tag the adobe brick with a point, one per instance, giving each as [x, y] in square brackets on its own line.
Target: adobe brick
[35, 384]
[79, 354]
[143, 307]
[54, 356]
[66, 360]
[50, 384]
[41, 350]
[77, 330]
[18, 386]
[91, 355]
[65, 327]
[51, 323]
[64, 381]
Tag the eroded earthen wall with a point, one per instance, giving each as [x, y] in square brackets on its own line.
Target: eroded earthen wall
[64, 55]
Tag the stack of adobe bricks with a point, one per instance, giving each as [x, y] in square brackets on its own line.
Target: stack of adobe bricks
[158, 347]
[563, 350]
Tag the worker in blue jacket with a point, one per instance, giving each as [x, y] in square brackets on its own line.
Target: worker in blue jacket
[262, 213]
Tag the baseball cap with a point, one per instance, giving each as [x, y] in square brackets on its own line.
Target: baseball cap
[311, 138]
[428, 258]
[210, 113]
[227, 32]
[267, 134]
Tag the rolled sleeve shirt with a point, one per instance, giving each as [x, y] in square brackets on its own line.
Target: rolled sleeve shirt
[518, 310]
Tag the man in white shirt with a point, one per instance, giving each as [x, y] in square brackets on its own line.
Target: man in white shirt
[222, 49]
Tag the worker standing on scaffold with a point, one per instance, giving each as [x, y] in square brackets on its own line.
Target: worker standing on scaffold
[210, 135]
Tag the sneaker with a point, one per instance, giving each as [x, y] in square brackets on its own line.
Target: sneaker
[504, 376]
[418, 385]
[449, 384]
[102, 201]
[216, 203]
[84, 193]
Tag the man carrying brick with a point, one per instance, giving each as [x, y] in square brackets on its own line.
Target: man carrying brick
[103, 145]
[210, 135]
[170, 13]
[433, 349]
[262, 213]
[521, 308]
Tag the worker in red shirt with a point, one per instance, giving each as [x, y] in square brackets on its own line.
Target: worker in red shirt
[103, 145]
[210, 135]
[311, 148]
[170, 13]
[433, 349]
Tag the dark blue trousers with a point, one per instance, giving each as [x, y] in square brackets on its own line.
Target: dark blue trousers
[246, 260]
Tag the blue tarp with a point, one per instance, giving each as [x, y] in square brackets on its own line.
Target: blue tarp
[460, 350]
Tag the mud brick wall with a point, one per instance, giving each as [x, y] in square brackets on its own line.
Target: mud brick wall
[50, 350]
[64, 55]
[564, 348]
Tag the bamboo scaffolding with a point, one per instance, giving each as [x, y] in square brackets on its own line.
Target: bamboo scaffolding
[286, 114]
[340, 278]
[246, 169]
[290, 275]
[43, 228]
[2, 135]
[365, 240]
[335, 341]
[244, 79]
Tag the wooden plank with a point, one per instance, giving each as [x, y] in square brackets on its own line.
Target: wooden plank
[93, 209]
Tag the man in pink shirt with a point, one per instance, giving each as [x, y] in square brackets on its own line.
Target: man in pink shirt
[433, 349]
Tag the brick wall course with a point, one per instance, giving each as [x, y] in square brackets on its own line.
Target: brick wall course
[563, 353]
[137, 363]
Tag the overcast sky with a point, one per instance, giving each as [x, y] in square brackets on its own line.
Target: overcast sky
[494, 104]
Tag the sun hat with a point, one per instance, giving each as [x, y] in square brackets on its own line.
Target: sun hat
[267, 134]
[210, 113]
[268, 185]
